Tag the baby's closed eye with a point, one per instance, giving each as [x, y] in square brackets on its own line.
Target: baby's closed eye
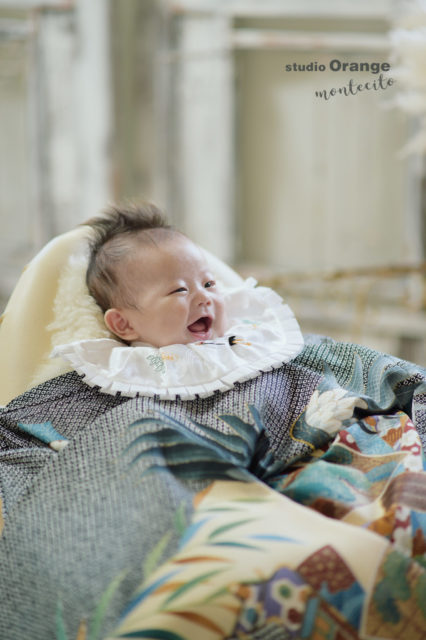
[178, 290]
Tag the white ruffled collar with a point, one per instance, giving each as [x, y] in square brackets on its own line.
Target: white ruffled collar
[263, 334]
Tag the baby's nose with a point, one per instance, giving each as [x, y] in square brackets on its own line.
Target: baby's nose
[203, 297]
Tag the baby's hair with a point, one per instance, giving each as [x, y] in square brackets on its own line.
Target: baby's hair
[116, 232]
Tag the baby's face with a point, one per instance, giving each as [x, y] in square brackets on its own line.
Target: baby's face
[175, 293]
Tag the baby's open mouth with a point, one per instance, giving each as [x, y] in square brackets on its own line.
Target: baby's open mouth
[202, 326]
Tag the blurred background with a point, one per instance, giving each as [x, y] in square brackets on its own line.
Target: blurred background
[188, 103]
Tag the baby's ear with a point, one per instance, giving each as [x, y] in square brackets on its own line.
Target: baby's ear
[119, 324]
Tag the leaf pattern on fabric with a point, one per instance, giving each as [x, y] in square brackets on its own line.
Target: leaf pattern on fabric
[92, 630]
[45, 432]
[203, 519]
[203, 452]
[351, 478]
[361, 477]
[198, 590]
[249, 587]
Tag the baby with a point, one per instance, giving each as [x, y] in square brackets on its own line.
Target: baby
[178, 335]
[152, 283]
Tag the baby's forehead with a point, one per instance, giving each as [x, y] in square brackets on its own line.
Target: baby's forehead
[174, 252]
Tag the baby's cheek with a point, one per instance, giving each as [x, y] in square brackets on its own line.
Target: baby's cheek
[223, 323]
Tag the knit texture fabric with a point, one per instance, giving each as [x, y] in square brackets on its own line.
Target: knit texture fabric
[78, 518]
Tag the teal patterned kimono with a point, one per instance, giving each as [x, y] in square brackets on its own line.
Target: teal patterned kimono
[292, 506]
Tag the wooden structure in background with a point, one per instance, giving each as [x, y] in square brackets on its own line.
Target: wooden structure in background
[55, 109]
[188, 103]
